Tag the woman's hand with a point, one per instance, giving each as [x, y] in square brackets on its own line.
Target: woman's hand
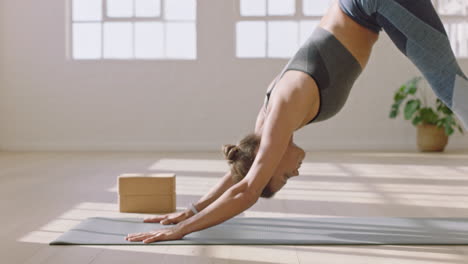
[168, 219]
[173, 233]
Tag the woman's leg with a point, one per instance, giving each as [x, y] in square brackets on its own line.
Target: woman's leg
[416, 29]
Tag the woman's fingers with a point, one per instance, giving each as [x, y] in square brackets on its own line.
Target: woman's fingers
[155, 219]
[134, 235]
[169, 221]
[173, 233]
[165, 221]
[153, 238]
[140, 236]
[173, 220]
[146, 237]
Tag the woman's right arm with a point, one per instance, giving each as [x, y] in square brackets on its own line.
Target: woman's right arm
[225, 183]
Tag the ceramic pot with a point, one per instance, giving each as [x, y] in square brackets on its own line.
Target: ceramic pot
[431, 138]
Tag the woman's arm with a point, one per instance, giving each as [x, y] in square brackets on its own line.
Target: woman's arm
[225, 183]
[233, 202]
[278, 129]
[285, 116]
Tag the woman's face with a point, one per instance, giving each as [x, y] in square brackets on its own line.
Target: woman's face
[288, 167]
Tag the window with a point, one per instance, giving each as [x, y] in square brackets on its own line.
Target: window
[454, 15]
[133, 29]
[276, 28]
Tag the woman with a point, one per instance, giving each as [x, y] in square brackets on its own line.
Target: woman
[313, 87]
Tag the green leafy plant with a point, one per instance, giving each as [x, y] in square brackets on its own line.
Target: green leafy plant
[417, 109]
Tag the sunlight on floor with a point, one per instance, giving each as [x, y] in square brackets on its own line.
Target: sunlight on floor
[402, 171]
[322, 169]
[333, 182]
[424, 189]
[294, 190]
[188, 185]
[435, 155]
[191, 165]
[383, 254]
[452, 201]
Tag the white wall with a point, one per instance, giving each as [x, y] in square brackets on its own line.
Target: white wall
[48, 102]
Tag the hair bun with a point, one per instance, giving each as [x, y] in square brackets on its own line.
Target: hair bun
[230, 152]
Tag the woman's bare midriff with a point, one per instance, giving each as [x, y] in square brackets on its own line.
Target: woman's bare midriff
[356, 38]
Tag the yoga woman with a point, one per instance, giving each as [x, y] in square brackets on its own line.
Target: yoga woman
[313, 87]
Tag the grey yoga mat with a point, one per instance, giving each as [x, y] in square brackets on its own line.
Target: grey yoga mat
[282, 231]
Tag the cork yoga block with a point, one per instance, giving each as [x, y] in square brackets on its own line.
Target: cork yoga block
[147, 193]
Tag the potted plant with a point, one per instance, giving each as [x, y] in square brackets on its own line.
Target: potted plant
[435, 122]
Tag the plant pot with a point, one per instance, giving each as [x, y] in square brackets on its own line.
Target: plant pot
[431, 138]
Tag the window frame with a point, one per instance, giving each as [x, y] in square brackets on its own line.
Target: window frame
[69, 32]
[298, 17]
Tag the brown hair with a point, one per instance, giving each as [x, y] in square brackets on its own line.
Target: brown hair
[241, 157]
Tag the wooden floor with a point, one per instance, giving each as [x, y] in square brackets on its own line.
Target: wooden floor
[44, 194]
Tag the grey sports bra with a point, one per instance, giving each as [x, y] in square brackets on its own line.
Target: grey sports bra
[331, 65]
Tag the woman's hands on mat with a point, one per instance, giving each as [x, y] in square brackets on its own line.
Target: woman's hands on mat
[173, 233]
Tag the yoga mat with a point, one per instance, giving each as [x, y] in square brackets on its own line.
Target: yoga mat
[282, 231]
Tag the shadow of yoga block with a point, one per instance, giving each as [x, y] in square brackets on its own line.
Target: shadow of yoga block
[147, 193]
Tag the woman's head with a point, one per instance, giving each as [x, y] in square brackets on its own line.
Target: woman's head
[241, 157]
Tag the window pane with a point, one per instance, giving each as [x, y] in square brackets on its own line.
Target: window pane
[119, 8]
[453, 7]
[253, 7]
[181, 40]
[118, 40]
[282, 7]
[86, 40]
[458, 36]
[463, 39]
[251, 39]
[306, 28]
[149, 40]
[316, 7]
[180, 9]
[282, 38]
[87, 10]
[147, 8]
